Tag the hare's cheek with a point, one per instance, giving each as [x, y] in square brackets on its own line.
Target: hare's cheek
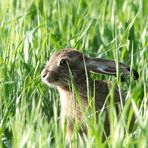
[52, 77]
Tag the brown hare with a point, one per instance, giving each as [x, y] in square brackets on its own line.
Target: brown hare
[69, 65]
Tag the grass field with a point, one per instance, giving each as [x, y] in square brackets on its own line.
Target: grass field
[30, 30]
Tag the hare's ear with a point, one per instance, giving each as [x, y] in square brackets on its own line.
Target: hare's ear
[106, 66]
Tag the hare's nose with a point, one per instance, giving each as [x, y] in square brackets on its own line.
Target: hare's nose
[44, 73]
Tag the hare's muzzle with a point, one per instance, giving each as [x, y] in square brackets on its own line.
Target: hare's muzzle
[44, 75]
[48, 76]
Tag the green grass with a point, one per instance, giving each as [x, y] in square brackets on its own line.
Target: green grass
[30, 30]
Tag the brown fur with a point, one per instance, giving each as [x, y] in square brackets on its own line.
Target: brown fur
[79, 65]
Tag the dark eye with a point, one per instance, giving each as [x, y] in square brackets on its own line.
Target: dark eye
[63, 62]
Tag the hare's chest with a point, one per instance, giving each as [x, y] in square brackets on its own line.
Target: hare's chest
[70, 108]
[66, 104]
[66, 107]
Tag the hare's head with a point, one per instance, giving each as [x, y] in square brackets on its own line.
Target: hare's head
[62, 66]
[69, 63]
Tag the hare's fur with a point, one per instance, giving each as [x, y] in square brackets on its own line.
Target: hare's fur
[76, 67]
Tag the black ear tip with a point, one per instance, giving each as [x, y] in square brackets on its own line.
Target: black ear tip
[135, 74]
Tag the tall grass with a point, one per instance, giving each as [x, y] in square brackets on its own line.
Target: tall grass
[30, 30]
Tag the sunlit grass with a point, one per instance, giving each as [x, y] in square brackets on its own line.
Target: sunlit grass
[31, 30]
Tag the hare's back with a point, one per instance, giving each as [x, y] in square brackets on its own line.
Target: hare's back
[103, 93]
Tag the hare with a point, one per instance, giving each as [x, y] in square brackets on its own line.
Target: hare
[68, 66]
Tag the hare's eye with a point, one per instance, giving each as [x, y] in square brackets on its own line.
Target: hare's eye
[63, 62]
